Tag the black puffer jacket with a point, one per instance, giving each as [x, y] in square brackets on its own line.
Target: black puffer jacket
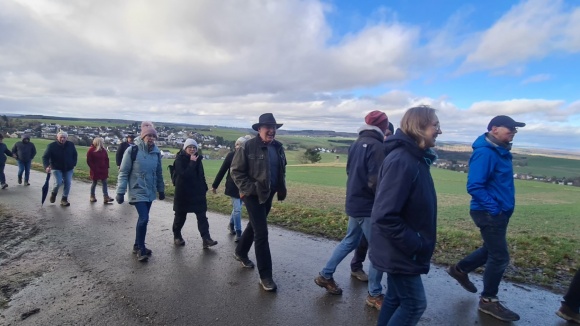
[190, 184]
[404, 216]
[231, 188]
[25, 151]
[60, 157]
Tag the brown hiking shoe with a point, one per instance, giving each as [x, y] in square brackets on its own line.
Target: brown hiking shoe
[375, 302]
[107, 199]
[492, 306]
[568, 314]
[329, 284]
[93, 199]
[462, 278]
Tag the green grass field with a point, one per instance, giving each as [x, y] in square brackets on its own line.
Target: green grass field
[543, 233]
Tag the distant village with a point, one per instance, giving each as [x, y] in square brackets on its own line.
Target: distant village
[217, 147]
[83, 136]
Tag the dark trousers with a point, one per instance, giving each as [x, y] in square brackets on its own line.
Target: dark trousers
[572, 298]
[202, 224]
[257, 232]
[2, 175]
[493, 254]
[356, 264]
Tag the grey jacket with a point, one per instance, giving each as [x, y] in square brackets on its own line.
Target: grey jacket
[25, 152]
[250, 169]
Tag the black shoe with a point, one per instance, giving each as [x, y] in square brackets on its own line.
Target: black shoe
[208, 242]
[26, 183]
[64, 202]
[19, 180]
[268, 284]
[461, 278]
[52, 197]
[246, 262]
[231, 229]
[4, 185]
[238, 236]
[147, 251]
[142, 255]
[179, 242]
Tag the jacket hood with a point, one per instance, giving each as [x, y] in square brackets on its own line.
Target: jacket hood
[143, 146]
[483, 141]
[402, 140]
[366, 127]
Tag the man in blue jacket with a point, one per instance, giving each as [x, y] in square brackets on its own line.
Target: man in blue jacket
[365, 157]
[491, 186]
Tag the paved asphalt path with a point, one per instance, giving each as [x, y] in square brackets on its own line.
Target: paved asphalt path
[193, 286]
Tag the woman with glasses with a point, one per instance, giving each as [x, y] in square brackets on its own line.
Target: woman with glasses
[404, 217]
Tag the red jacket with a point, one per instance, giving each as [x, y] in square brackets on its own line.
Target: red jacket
[98, 163]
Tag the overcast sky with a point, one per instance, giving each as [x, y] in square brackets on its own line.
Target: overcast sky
[314, 64]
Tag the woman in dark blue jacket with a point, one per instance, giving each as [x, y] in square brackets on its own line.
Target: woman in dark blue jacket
[404, 217]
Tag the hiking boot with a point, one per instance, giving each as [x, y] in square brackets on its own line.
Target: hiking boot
[461, 278]
[329, 284]
[360, 275]
[246, 262]
[268, 284]
[52, 197]
[26, 183]
[107, 199]
[147, 251]
[4, 185]
[231, 229]
[375, 302]
[492, 306]
[93, 199]
[568, 314]
[64, 202]
[19, 180]
[179, 242]
[142, 255]
[238, 236]
[208, 242]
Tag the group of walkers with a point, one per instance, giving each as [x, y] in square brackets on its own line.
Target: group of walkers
[391, 203]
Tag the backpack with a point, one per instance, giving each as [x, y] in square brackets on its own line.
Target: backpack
[171, 169]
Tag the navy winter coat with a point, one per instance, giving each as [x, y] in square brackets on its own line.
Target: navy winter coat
[190, 184]
[25, 152]
[3, 152]
[60, 157]
[404, 217]
[365, 157]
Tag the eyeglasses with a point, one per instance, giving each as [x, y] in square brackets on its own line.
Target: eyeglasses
[437, 126]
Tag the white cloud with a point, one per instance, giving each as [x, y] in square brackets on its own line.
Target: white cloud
[536, 79]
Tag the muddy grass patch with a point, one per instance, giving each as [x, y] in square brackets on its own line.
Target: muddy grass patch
[21, 261]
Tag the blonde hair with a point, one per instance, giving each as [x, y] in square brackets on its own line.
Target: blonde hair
[415, 121]
[98, 144]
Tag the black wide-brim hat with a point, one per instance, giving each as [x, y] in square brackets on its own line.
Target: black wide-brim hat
[266, 119]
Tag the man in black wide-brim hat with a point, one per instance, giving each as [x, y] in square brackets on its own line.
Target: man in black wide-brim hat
[259, 170]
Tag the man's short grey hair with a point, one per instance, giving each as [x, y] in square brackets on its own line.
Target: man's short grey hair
[62, 133]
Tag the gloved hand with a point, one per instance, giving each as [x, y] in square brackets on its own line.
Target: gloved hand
[161, 196]
[120, 198]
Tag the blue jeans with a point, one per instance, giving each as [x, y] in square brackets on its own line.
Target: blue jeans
[357, 226]
[94, 187]
[59, 178]
[493, 254]
[143, 208]
[404, 302]
[236, 217]
[24, 167]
